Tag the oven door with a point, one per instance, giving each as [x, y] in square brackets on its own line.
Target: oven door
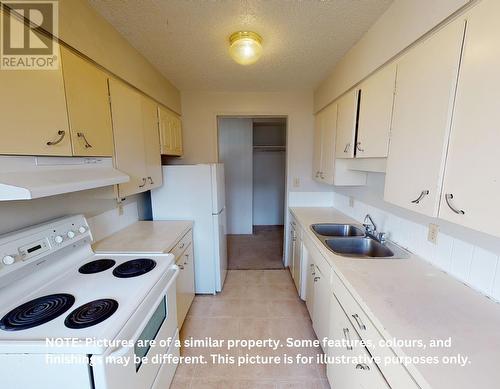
[137, 364]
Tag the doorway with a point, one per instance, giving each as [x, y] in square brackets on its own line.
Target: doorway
[253, 150]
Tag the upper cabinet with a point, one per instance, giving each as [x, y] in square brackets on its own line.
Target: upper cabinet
[33, 113]
[375, 113]
[425, 89]
[324, 140]
[135, 130]
[170, 132]
[472, 179]
[88, 106]
[346, 124]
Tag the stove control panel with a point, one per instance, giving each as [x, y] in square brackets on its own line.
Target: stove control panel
[40, 241]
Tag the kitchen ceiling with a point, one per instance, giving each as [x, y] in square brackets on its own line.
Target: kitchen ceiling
[187, 40]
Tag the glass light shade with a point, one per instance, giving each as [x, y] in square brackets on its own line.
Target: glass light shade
[245, 47]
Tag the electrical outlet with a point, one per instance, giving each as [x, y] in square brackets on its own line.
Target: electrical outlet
[296, 182]
[432, 235]
[351, 201]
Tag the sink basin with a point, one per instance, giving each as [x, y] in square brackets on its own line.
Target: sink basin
[339, 230]
[365, 247]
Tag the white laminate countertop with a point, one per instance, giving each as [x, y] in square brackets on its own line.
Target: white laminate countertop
[411, 299]
[149, 237]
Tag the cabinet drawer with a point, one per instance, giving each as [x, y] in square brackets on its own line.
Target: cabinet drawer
[182, 244]
[396, 374]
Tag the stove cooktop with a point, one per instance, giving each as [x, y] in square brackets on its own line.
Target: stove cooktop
[102, 291]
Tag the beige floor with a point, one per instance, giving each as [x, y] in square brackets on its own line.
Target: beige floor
[261, 250]
[255, 304]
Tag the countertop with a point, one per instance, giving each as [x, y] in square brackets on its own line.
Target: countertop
[151, 237]
[411, 299]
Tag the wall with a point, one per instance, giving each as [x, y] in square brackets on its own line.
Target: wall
[468, 255]
[401, 25]
[84, 29]
[235, 142]
[19, 214]
[200, 110]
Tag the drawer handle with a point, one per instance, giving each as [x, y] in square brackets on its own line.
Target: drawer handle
[151, 180]
[181, 267]
[347, 147]
[449, 197]
[61, 134]
[82, 135]
[362, 366]
[359, 322]
[143, 183]
[317, 174]
[422, 195]
[347, 337]
[316, 279]
[358, 146]
[181, 246]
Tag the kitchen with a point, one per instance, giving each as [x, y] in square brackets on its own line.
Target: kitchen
[113, 199]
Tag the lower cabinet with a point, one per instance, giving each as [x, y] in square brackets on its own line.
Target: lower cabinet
[320, 316]
[184, 258]
[350, 366]
[295, 255]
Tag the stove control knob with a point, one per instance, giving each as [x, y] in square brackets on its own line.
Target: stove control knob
[8, 260]
[58, 239]
[70, 234]
[82, 229]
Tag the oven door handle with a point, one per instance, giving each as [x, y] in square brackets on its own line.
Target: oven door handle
[120, 351]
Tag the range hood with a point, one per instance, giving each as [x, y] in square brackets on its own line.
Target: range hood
[28, 177]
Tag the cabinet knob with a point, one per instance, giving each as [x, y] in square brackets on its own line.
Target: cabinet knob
[181, 267]
[61, 134]
[316, 279]
[359, 322]
[448, 197]
[151, 180]
[143, 183]
[82, 135]
[422, 195]
[362, 366]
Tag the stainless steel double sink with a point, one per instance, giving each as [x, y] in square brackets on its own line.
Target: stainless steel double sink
[349, 240]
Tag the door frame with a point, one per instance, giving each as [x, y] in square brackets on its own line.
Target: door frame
[257, 115]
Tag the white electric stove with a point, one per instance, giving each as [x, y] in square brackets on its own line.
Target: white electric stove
[72, 319]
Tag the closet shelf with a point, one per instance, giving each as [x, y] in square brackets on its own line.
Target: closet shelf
[269, 148]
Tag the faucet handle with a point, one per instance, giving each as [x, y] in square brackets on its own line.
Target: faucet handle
[382, 237]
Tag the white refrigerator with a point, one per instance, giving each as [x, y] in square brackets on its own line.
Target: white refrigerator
[197, 192]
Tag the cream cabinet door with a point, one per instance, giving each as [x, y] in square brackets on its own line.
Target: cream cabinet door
[472, 179]
[329, 130]
[88, 106]
[33, 113]
[151, 142]
[185, 284]
[170, 132]
[357, 372]
[346, 124]
[318, 141]
[375, 114]
[321, 317]
[425, 88]
[130, 158]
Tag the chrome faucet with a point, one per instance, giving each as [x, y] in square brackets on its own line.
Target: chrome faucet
[371, 230]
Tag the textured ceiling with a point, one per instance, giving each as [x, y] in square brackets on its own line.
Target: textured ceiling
[187, 39]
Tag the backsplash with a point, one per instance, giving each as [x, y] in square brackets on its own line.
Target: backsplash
[471, 264]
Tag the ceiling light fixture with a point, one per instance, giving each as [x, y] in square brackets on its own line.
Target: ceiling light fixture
[245, 47]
